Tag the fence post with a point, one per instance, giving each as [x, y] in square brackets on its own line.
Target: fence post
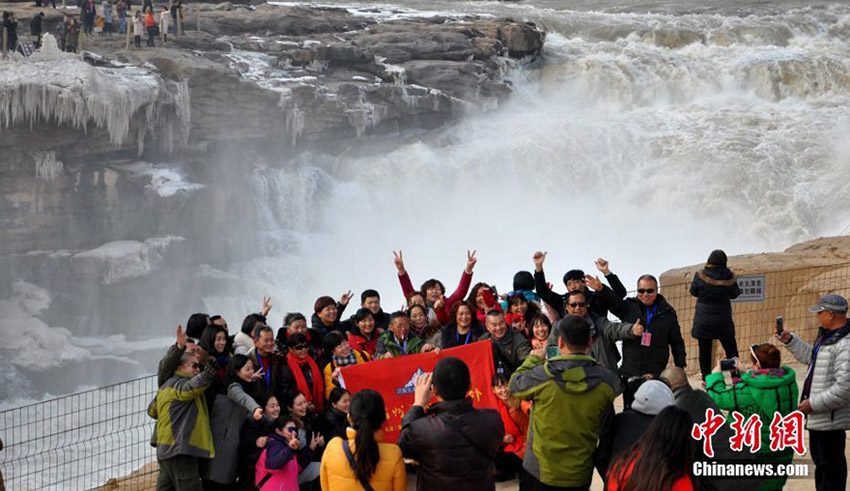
[127, 28]
[5, 43]
[80, 38]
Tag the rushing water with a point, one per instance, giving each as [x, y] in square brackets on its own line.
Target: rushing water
[651, 134]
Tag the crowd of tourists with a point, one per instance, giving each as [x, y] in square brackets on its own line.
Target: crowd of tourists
[259, 409]
[146, 21]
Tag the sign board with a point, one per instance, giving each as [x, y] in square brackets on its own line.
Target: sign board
[26, 48]
[752, 288]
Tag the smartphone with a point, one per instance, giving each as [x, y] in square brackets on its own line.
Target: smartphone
[779, 326]
[727, 365]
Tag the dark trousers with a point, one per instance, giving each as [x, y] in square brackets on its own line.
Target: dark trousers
[151, 36]
[827, 449]
[508, 464]
[730, 347]
[535, 485]
[180, 473]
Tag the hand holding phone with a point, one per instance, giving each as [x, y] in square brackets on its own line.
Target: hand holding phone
[780, 326]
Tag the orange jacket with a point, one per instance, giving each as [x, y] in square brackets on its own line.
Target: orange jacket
[337, 474]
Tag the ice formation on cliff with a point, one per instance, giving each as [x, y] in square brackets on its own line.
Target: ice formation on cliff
[53, 87]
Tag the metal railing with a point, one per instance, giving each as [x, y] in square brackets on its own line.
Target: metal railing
[88, 440]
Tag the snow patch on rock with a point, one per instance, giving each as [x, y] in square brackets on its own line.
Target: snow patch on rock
[123, 259]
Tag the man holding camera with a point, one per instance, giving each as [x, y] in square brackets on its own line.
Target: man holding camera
[825, 397]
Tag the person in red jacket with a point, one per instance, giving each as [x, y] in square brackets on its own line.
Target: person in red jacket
[150, 25]
[662, 459]
[508, 461]
[364, 334]
[434, 290]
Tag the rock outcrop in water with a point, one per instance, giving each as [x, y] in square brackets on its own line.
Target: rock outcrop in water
[271, 74]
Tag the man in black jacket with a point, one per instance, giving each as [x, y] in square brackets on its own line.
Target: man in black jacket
[645, 356]
[574, 280]
[454, 443]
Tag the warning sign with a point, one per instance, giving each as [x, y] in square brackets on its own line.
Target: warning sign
[752, 288]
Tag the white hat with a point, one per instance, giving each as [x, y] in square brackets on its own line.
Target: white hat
[652, 396]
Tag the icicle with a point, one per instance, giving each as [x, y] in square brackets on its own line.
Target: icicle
[46, 165]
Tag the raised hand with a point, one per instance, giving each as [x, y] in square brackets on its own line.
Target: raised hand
[785, 338]
[258, 414]
[637, 329]
[602, 266]
[315, 441]
[294, 444]
[181, 336]
[470, 261]
[261, 442]
[440, 302]
[593, 282]
[258, 374]
[345, 298]
[335, 374]
[539, 352]
[267, 306]
[398, 260]
[422, 392]
[539, 258]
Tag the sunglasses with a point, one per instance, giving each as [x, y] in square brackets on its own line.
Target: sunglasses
[196, 365]
[646, 290]
[291, 429]
[300, 347]
[578, 304]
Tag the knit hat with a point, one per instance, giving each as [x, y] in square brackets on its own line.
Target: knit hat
[653, 396]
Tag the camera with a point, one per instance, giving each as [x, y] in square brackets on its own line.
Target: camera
[779, 326]
[727, 365]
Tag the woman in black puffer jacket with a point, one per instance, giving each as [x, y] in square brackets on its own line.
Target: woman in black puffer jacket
[714, 286]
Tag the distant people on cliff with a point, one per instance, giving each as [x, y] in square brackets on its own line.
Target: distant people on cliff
[151, 27]
[826, 391]
[106, 11]
[176, 16]
[121, 12]
[88, 12]
[138, 28]
[72, 36]
[10, 26]
[35, 28]
[714, 286]
[164, 18]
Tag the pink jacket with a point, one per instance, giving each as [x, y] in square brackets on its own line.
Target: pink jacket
[284, 479]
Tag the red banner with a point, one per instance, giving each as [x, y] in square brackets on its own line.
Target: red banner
[393, 378]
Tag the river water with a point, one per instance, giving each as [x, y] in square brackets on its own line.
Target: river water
[651, 134]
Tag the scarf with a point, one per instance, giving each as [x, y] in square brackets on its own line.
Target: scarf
[344, 362]
[317, 394]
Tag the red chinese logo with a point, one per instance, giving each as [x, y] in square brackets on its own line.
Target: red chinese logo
[787, 432]
[706, 430]
[746, 433]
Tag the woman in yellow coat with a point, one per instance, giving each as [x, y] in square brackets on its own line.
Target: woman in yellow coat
[363, 458]
[342, 355]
